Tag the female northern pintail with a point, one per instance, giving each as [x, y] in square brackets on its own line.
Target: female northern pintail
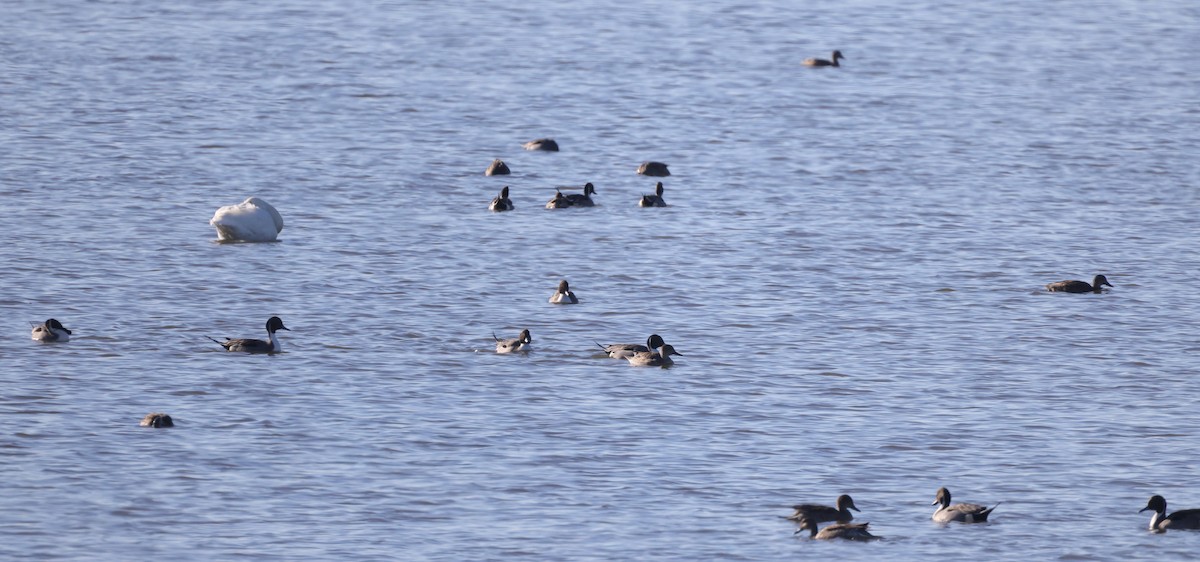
[844, 531]
[625, 350]
[253, 220]
[501, 202]
[584, 200]
[560, 201]
[822, 62]
[654, 169]
[257, 346]
[1160, 521]
[964, 512]
[520, 343]
[655, 200]
[564, 295]
[157, 419]
[497, 168]
[660, 358]
[51, 331]
[822, 513]
[1074, 286]
[547, 145]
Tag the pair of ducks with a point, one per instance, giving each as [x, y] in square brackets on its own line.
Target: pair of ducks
[53, 331]
[808, 515]
[656, 352]
[502, 202]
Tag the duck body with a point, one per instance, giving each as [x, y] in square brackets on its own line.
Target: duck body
[545, 145]
[584, 200]
[653, 169]
[501, 202]
[51, 331]
[822, 513]
[157, 419]
[252, 220]
[625, 350]
[513, 345]
[655, 200]
[837, 531]
[271, 345]
[660, 358]
[564, 295]
[1076, 286]
[837, 55]
[1160, 521]
[497, 168]
[959, 512]
[560, 201]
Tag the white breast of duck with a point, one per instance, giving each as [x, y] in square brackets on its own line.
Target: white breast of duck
[51, 331]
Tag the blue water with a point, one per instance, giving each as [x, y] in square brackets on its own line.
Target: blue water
[852, 266]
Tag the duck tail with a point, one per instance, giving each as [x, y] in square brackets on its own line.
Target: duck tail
[221, 343]
[494, 336]
[601, 345]
[989, 510]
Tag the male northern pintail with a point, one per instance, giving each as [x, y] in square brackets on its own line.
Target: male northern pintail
[257, 346]
[1075, 286]
[822, 513]
[844, 531]
[501, 202]
[157, 419]
[560, 201]
[964, 512]
[51, 331]
[520, 343]
[822, 62]
[1160, 521]
[564, 295]
[584, 200]
[547, 145]
[655, 200]
[654, 169]
[624, 350]
[660, 358]
[252, 220]
[497, 168]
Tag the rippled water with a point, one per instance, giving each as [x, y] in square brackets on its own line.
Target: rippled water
[852, 266]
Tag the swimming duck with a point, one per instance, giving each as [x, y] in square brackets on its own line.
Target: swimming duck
[964, 512]
[547, 145]
[563, 295]
[521, 343]
[624, 350]
[1074, 286]
[660, 358]
[822, 513]
[844, 531]
[584, 200]
[257, 346]
[655, 200]
[157, 419]
[51, 331]
[252, 220]
[1160, 521]
[822, 62]
[560, 201]
[497, 168]
[501, 202]
[654, 169]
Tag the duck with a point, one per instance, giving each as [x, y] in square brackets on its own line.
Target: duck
[1075, 286]
[822, 62]
[584, 200]
[547, 145]
[501, 202]
[274, 324]
[660, 358]
[497, 168]
[252, 220]
[655, 200]
[822, 513]
[1160, 521]
[963, 512]
[844, 531]
[624, 350]
[521, 343]
[564, 295]
[51, 331]
[560, 201]
[157, 419]
[653, 169]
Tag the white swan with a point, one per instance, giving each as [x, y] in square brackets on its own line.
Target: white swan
[253, 220]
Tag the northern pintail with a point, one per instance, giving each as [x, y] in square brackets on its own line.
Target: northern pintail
[624, 350]
[660, 358]
[654, 169]
[655, 200]
[1160, 521]
[844, 531]
[252, 220]
[157, 419]
[520, 343]
[547, 145]
[560, 201]
[1075, 286]
[51, 331]
[822, 513]
[584, 200]
[564, 295]
[501, 202]
[964, 512]
[257, 346]
[822, 62]
[497, 168]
